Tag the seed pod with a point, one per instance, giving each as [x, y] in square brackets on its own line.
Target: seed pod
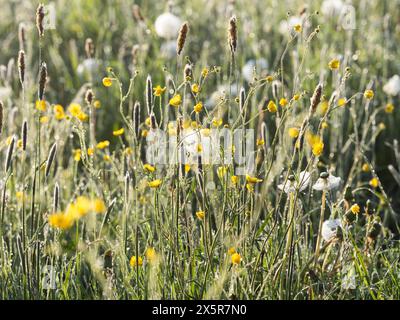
[136, 118]
[56, 196]
[149, 94]
[21, 36]
[137, 14]
[42, 80]
[89, 48]
[153, 121]
[24, 135]
[316, 98]
[188, 72]
[39, 19]
[182, 37]
[21, 66]
[9, 154]
[242, 99]
[1, 116]
[232, 34]
[89, 96]
[50, 159]
[127, 179]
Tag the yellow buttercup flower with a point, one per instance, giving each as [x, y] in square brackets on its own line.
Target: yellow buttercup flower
[58, 112]
[103, 144]
[41, 105]
[269, 78]
[128, 151]
[77, 155]
[136, 262]
[187, 168]
[369, 94]
[294, 132]
[145, 133]
[334, 64]
[253, 180]
[389, 108]
[217, 122]
[198, 107]
[318, 148]
[150, 254]
[97, 104]
[296, 97]
[155, 183]
[374, 183]
[272, 107]
[44, 119]
[118, 132]
[98, 206]
[204, 72]
[195, 88]
[234, 180]
[236, 258]
[149, 168]
[19, 143]
[106, 158]
[221, 171]
[355, 208]
[342, 102]
[200, 215]
[250, 187]
[158, 90]
[260, 142]
[90, 152]
[365, 167]
[324, 125]
[283, 102]
[107, 82]
[176, 100]
[60, 220]
[297, 28]
[231, 251]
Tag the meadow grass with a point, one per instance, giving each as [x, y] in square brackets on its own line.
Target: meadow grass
[86, 213]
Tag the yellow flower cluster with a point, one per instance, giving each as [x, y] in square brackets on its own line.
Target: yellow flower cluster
[76, 210]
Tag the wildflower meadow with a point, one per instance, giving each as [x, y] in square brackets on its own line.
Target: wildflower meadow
[205, 149]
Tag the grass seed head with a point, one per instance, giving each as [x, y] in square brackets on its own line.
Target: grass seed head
[182, 37]
[39, 19]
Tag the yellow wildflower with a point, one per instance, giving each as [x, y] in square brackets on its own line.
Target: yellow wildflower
[97, 104]
[118, 132]
[365, 167]
[136, 262]
[200, 215]
[236, 258]
[234, 180]
[150, 254]
[77, 155]
[60, 220]
[59, 112]
[231, 251]
[155, 183]
[103, 144]
[297, 28]
[355, 208]
[41, 105]
[294, 132]
[107, 82]
[198, 107]
[251, 179]
[90, 151]
[149, 167]
[334, 64]
[389, 108]
[158, 90]
[342, 102]
[195, 88]
[283, 102]
[216, 122]
[374, 183]
[272, 107]
[369, 94]
[175, 100]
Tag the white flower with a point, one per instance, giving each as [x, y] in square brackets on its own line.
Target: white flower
[329, 183]
[167, 25]
[302, 183]
[260, 65]
[332, 7]
[286, 26]
[392, 87]
[330, 228]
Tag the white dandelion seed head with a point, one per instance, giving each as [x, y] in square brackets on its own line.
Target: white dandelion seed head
[260, 65]
[330, 228]
[167, 25]
[392, 87]
[332, 7]
[329, 183]
[301, 183]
